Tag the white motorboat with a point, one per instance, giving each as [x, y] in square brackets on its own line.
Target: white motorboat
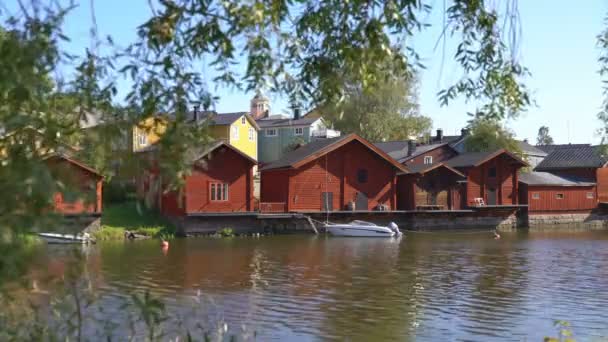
[363, 229]
[66, 238]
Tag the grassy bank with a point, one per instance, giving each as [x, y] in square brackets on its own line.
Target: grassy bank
[119, 217]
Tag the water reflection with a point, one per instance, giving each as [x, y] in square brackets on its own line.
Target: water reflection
[423, 287]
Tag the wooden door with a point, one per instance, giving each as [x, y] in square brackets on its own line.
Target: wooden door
[491, 196]
[327, 201]
[361, 202]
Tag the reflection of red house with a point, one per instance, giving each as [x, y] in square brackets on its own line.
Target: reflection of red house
[491, 176]
[330, 174]
[81, 186]
[221, 181]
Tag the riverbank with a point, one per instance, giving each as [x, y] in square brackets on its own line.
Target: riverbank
[118, 218]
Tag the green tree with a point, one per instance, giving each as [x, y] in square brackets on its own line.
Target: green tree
[543, 137]
[389, 111]
[490, 135]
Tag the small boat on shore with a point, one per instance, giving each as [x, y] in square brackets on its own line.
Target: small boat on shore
[66, 238]
[363, 229]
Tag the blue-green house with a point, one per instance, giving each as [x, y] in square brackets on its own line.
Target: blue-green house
[278, 135]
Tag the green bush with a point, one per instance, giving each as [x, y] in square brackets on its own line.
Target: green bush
[118, 192]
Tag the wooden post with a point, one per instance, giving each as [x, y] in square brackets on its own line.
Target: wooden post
[312, 224]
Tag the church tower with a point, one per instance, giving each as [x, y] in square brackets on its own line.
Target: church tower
[260, 106]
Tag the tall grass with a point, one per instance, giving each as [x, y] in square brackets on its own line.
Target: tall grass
[120, 217]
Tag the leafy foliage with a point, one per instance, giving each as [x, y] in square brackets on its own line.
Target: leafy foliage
[490, 135]
[389, 111]
[543, 137]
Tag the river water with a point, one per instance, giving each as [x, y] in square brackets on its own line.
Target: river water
[424, 287]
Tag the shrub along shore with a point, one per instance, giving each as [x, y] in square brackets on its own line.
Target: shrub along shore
[118, 218]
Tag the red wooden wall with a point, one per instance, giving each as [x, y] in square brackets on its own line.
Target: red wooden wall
[335, 172]
[224, 166]
[602, 184]
[406, 192]
[85, 185]
[439, 155]
[575, 198]
[505, 182]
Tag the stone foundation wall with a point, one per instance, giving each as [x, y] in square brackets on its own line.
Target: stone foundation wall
[583, 221]
[74, 224]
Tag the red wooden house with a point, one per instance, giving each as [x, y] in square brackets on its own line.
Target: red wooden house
[340, 173]
[435, 186]
[80, 186]
[221, 180]
[491, 176]
[546, 193]
[580, 161]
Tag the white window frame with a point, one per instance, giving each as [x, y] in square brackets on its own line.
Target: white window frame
[251, 134]
[235, 132]
[428, 160]
[535, 196]
[142, 139]
[557, 196]
[301, 129]
[219, 192]
[268, 130]
[590, 195]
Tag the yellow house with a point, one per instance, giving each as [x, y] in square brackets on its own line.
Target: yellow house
[148, 132]
[238, 129]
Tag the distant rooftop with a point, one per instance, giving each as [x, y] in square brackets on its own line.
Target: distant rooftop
[572, 156]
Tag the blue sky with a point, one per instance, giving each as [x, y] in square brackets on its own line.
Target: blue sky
[557, 44]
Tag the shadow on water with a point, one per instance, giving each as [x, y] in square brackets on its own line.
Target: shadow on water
[424, 287]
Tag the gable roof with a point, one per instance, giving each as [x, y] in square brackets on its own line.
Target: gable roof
[424, 168]
[473, 159]
[195, 155]
[74, 162]
[223, 119]
[320, 147]
[528, 149]
[553, 147]
[572, 157]
[399, 149]
[216, 145]
[275, 123]
[546, 178]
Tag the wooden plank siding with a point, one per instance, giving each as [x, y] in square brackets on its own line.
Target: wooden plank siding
[83, 188]
[574, 198]
[335, 172]
[224, 166]
[602, 184]
[479, 181]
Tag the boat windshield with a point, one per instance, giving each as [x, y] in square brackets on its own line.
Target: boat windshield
[362, 223]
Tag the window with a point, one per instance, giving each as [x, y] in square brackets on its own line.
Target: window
[142, 139]
[559, 196]
[535, 195]
[235, 133]
[590, 195]
[251, 134]
[492, 171]
[428, 160]
[271, 132]
[243, 120]
[218, 192]
[362, 176]
[299, 131]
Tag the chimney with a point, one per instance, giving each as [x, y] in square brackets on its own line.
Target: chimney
[464, 131]
[195, 116]
[411, 147]
[296, 113]
[439, 135]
